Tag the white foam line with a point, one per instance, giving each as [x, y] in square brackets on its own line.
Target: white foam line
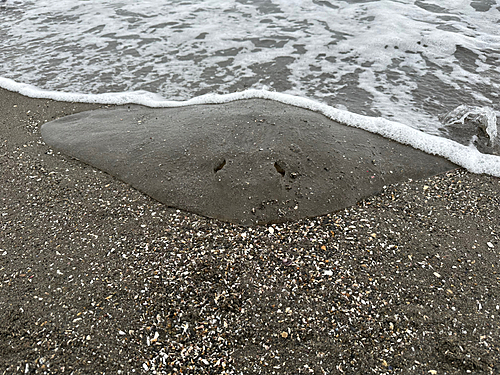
[467, 157]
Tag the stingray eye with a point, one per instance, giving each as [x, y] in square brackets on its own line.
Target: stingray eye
[219, 166]
[279, 168]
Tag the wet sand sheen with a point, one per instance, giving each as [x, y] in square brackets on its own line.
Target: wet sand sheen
[98, 277]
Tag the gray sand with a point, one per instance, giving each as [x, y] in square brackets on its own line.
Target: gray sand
[96, 277]
[247, 162]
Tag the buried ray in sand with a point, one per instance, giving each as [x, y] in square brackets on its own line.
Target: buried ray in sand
[248, 162]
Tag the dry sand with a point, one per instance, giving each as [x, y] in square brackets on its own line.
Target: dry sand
[96, 277]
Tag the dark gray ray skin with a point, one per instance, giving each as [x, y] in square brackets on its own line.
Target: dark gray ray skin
[247, 162]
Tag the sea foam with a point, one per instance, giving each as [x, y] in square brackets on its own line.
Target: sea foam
[404, 60]
[465, 156]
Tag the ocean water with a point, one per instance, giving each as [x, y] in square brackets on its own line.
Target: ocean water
[426, 73]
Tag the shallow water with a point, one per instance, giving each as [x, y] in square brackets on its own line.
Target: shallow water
[407, 61]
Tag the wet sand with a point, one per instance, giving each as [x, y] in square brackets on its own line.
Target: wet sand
[247, 162]
[97, 277]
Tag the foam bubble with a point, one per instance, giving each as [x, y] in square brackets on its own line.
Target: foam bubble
[483, 117]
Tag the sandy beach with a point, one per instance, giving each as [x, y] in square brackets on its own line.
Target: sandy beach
[97, 277]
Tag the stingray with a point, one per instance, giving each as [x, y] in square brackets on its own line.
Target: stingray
[247, 162]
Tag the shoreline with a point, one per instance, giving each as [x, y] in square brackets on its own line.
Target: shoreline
[99, 277]
[457, 152]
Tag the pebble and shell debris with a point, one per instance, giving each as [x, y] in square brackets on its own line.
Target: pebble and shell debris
[96, 277]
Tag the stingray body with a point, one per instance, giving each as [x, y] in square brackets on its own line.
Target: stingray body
[247, 162]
